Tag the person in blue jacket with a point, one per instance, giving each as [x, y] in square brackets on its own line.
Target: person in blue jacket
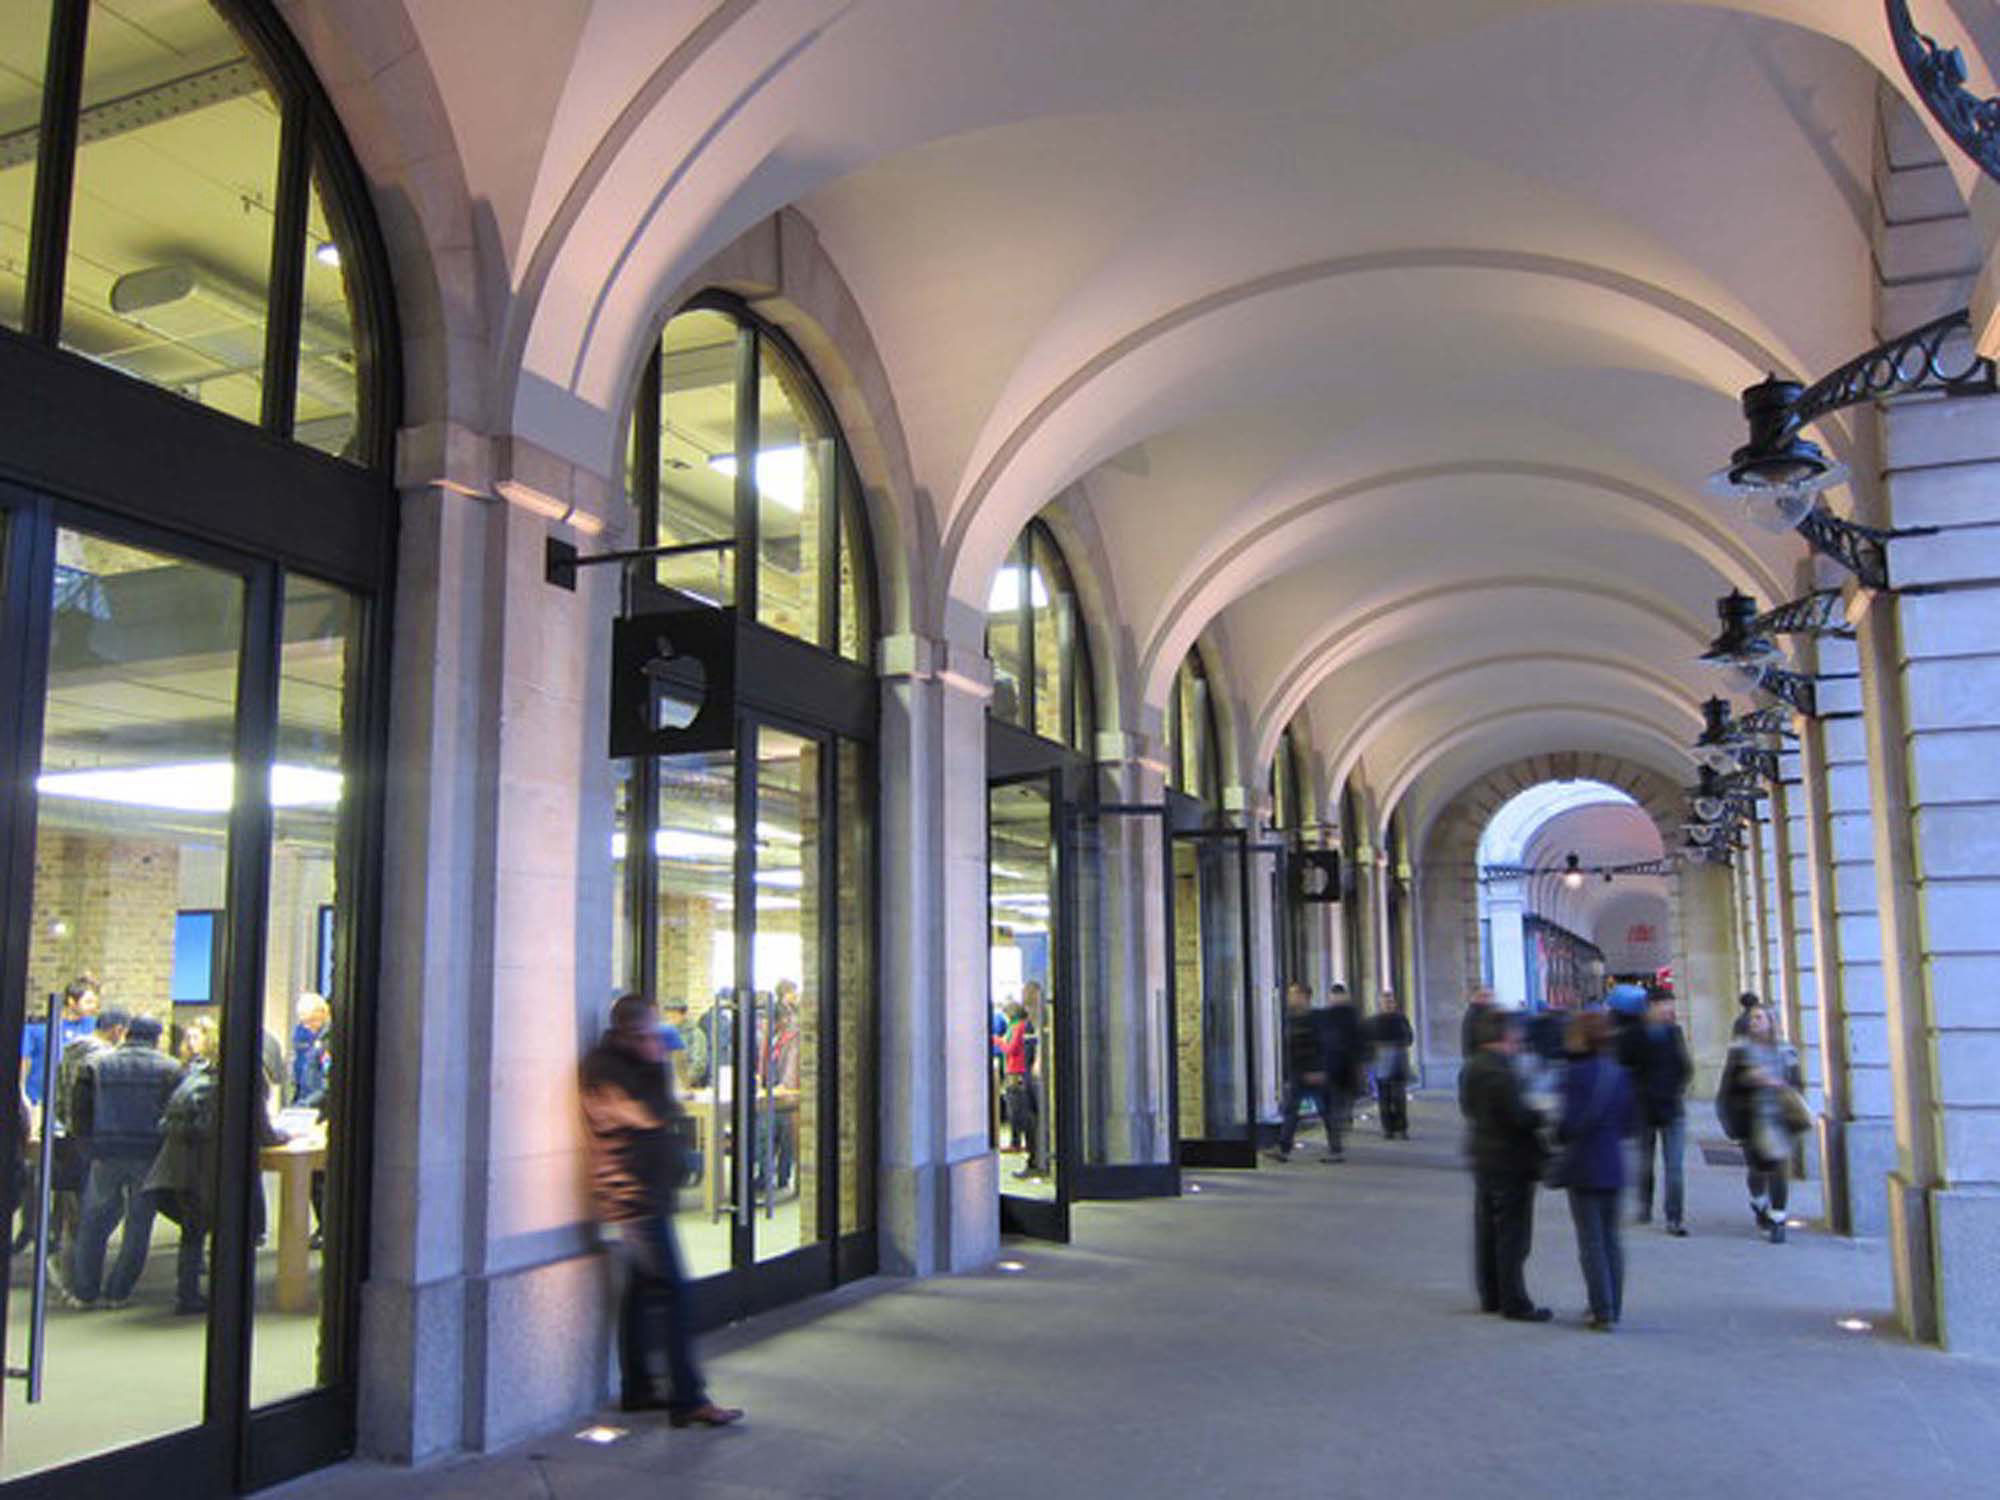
[1596, 1118]
[79, 1020]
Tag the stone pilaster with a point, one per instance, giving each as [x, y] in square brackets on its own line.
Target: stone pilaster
[939, 1179]
[1930, 659]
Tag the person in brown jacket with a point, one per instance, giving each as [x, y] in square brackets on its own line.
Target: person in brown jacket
[628, 1113]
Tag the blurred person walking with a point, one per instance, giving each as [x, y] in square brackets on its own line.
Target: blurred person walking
[1759, 1107]
[1340, 1030]
[1596, 1118]
[1305, 1071]
[1656, 1055]
[1390, 1035]
[1505, 1144]
[634, 1154]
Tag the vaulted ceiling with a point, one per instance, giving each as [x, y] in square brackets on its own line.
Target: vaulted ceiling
[1386, 342]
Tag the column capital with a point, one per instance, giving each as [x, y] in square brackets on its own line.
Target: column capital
[452, 457]
[922, 658]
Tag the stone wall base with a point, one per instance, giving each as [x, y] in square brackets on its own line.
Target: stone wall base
[1912, 1257]
[1870, 1147]
[1965, 1238]
[474, 1363]
[941, 1217]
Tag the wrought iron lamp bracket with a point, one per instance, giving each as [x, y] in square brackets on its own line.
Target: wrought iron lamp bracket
[1938, 74]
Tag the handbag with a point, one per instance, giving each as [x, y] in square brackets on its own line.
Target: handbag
[1564, 1170]
[1793, 1110]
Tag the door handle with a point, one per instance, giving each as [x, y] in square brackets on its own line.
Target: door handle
[38, 1307]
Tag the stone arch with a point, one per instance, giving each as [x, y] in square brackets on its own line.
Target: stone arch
[1448, 951]
[379, 81]
[1106, 635]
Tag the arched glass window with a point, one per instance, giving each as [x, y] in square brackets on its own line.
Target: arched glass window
[1287, 812]
[1193, 747]
[722, 383]
[174, 204]
[1034, 636]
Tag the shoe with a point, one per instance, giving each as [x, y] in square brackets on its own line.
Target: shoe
[1678, 1231]
[1763, 1218]
[114, 1303]
[1529, 1315]
[1279, 1155]
[1777, 1231]
[708, 1414]
[188, 1308]
[71, 1300]
[1334, 1156]
[1599, 1325]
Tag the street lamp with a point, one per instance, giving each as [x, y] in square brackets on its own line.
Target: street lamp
[1747, 656]
[1778, 475]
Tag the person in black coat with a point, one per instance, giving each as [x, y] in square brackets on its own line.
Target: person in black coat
[1305, 1071]
[1340, 1033]
[1390, 1036]
[1505, 1144]
[1479, 1003]
[1655, 1053]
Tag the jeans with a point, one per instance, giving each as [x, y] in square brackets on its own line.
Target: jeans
[1503, 1232]
[1392, 1096]
[1671, 1139]
[112, 1191]
[1295, 1095]
[192, 1258]
[1599, 1250]
[654, 1315]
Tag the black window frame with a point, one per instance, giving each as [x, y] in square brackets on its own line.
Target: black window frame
[311, 142]
[1079, 707]
[849, 511]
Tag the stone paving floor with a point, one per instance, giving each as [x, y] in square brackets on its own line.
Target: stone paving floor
[1309, 1329]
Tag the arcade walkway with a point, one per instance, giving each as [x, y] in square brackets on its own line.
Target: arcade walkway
[1308, 1330]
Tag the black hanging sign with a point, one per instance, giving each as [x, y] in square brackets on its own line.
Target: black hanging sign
[673, 682]
[1316, 876]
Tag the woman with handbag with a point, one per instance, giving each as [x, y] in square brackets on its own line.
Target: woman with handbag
[1596, 1118]
[1756, 1108]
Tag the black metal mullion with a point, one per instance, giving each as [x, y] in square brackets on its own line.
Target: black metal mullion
[743, 1218]
[284, 301]
[240, 1047]
[55, 170]
[642, 879]
[645, 476]
[828, 1000]
[27, 552]
[832, 501]
[748, 522]
[1024, 602]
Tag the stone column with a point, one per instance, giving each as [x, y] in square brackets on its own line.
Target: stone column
[1930, 661]
[485, 1314]
[1707, 967]
[1125, 1024]
[939, 1177]
[1506, 903]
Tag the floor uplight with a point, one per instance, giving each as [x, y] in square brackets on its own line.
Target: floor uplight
[1010, 1266]
[600, 1434]
[1194, 1187]
[1855, 1325]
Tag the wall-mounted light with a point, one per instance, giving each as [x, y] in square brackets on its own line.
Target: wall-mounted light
[1573, 873]
[1777, 476]
[1748, 657]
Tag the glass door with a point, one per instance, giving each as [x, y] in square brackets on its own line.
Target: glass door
[116, 989]
[1030, 1018]
[759, 976]
[1123, 984]
[1213, 1039]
